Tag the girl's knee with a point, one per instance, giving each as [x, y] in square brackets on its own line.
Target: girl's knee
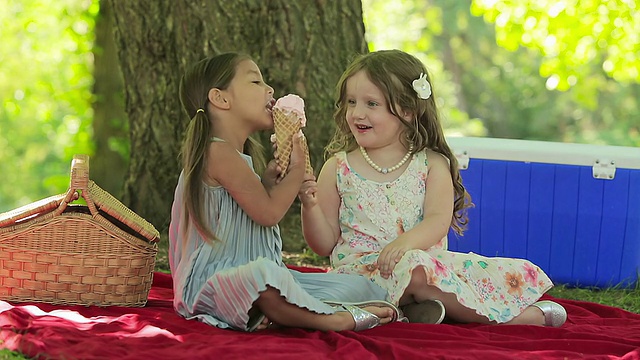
[419, 287]
[270, 292]
[418, 277]
[416, 285]
[269, 295]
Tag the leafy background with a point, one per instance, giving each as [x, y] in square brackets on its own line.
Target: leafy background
[546, 70]
[45, 87]
[555, 70]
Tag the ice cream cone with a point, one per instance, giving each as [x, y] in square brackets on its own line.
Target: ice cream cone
[287, 122]
[307, 159]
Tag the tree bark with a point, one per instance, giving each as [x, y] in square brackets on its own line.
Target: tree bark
[109, 161]
[301, 46]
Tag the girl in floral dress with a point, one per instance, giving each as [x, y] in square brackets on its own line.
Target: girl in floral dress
[388, 195]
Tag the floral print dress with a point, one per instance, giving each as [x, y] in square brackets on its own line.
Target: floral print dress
[372, 214]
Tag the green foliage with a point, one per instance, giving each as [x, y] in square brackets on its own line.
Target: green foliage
[590, 50]
[417, 35]
[495, 91]
[571, 35]
[45, 89]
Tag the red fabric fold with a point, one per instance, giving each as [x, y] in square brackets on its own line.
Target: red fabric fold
[44, 331]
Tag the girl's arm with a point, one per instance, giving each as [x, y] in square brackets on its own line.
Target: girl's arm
[227, 168]
[438, 203]
[438, 211]
[320, 206]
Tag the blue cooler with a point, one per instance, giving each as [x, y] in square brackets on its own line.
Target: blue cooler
[572, 209]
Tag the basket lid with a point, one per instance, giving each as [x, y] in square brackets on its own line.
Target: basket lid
[96, 198]
[32, 210]
[112, 206]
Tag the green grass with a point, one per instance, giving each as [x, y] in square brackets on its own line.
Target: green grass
[10, 355]
[627, 299]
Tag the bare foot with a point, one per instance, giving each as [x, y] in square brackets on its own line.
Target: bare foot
[384, 313]
[535, 315]
[265, 324]
[530, 316]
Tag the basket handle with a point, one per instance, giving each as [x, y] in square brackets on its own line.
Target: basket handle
[79, 183]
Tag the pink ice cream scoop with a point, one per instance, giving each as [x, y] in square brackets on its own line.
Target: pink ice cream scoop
[292, 103]
[288, 119]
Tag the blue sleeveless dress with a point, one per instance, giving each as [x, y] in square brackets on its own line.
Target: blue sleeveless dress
[218, 283]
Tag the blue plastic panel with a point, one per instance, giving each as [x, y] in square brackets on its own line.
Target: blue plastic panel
[565, 218]
[615, 203]
[492, 207]
[516, 221]
[540, 214]
[580, 230]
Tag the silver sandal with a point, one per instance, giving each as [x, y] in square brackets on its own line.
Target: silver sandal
[365, 320]
[554, 314]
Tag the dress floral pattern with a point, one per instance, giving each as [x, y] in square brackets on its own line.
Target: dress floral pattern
[372, 214]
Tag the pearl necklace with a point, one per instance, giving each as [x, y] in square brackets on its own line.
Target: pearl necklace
[379, 168]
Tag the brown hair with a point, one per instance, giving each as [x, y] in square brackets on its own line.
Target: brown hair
[213, 72]
[393, 72]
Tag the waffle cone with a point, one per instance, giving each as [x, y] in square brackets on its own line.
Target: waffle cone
[287, 124]
[307, 159]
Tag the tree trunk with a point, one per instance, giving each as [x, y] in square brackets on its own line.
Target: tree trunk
[301, 46]
[109, 161]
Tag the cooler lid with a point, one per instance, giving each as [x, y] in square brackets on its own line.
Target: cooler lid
[544, 152]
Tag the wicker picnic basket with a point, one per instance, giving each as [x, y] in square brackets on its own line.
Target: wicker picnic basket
[60, 252]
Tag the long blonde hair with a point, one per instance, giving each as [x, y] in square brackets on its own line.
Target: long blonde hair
[213, 72]
[393, 72]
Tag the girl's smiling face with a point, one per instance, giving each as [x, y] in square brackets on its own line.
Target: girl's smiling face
[368, 115]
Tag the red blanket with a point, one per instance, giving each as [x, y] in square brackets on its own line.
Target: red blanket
[45, 331]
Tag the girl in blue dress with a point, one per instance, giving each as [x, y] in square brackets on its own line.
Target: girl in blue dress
[224, 241]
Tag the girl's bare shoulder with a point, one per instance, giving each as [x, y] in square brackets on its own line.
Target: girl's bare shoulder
[436, 159]
[223, 161]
